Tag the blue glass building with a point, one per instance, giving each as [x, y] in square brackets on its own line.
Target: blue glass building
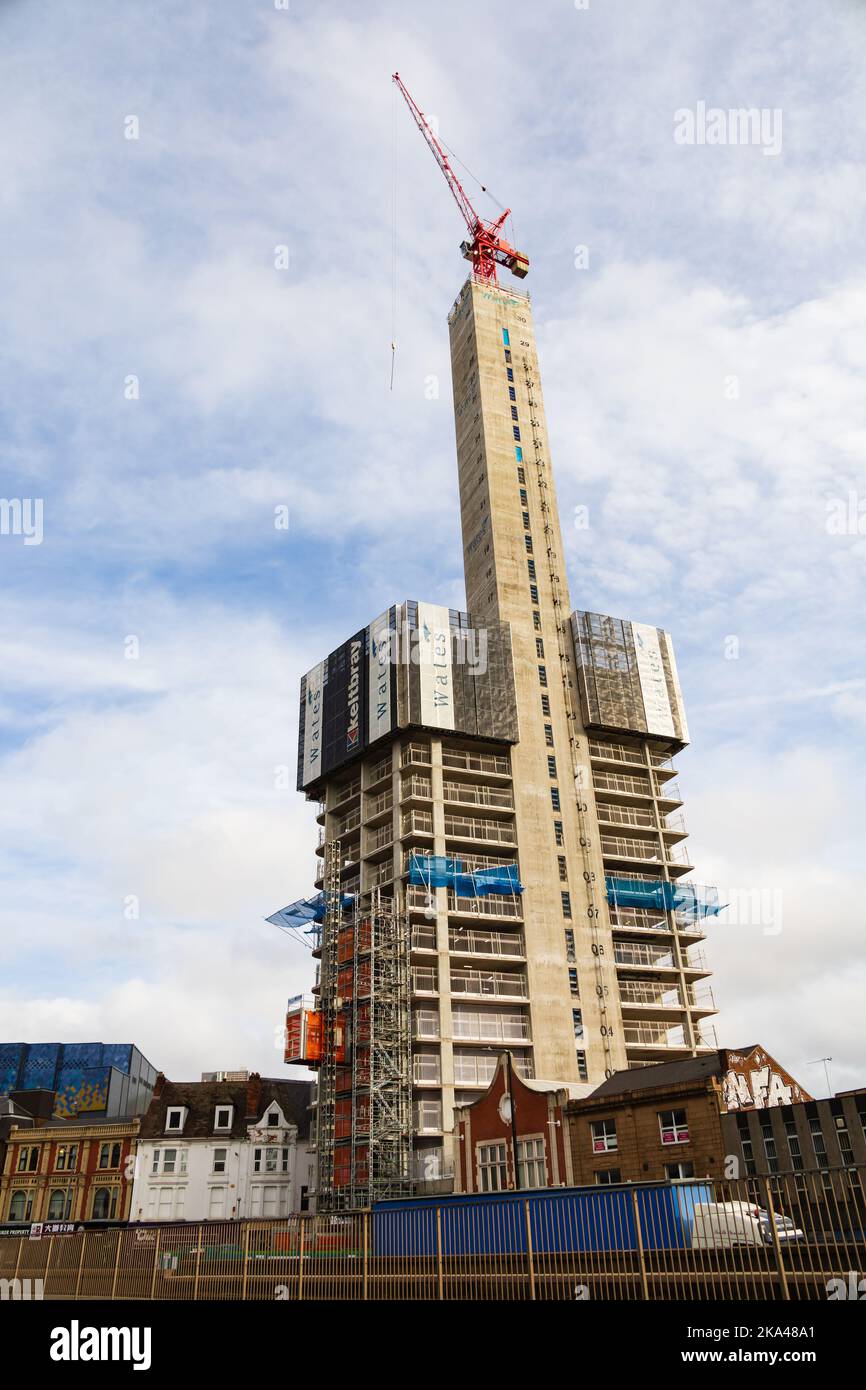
[112, 1080]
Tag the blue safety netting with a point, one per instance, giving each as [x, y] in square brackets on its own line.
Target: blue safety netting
[689, 900]
[438, 871]
[305, 913]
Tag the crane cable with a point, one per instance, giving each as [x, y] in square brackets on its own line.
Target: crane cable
[482, 186]
[394, 243]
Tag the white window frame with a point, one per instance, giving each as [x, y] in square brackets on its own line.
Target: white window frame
[179, 1170]
[492, 1168]
[224, 1160]
[177, 1128]
[222, 1110]
[679, 1132]
[604, 1142]
[532, 1156]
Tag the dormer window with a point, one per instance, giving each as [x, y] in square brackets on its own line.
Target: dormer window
[175, 1119]
[223, 1117]
[273, 1119]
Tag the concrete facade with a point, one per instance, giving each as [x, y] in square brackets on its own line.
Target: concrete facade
[609, 987]
[508, 504]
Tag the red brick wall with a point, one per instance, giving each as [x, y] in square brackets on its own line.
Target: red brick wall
[640, 1153]
[484, 1124]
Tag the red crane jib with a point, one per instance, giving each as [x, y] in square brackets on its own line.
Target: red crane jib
[486, 249]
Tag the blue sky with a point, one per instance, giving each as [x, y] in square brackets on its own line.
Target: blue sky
[157, 780]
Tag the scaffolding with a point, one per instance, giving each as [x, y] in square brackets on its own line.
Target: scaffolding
[381, 1056]
[364, 1111]
[331, 1029]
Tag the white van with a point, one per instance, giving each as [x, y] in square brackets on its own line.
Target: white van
[719, 1225]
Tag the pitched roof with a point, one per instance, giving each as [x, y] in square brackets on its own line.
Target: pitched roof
[249, 1100]
[663, 1074]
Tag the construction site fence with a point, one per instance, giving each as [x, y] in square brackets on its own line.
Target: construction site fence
[698, 1241]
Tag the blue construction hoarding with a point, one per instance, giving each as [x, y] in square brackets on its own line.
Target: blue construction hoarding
[556, 1220]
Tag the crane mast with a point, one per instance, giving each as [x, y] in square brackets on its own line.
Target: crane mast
[486, 248]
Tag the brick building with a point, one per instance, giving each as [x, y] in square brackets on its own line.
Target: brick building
[514, 1113]
[726, 1114]
[654, 1123]
[68, 1170]
[666, 1121]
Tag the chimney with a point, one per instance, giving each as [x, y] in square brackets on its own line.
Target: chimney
[254, 1093]
[159, 1084]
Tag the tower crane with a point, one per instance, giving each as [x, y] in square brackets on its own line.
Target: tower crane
[486, 248]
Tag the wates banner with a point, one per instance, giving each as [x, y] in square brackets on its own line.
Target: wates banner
[653, 685]
[313, 722]
[434, 666]
[379, 702]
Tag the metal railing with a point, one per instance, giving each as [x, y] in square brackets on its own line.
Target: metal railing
[640, 919]
[379, 770]
[415, 753]
[344, 794]
[637, 953]
[477, 1068]
[625, 815]
[416, 786]
[378, 838]
[643, 992]
[423, 938]
[622, 782]
[473, 828]
[616, 753]
[470, 795]
[472, 862]
[668, 791]
[493, 905]
[475, 762]
[661, 1035]
[490, 1028]
[627, 847]
[486, 943]
[499, 984]
[380, 873]
[783, 1238]
[653, 1035]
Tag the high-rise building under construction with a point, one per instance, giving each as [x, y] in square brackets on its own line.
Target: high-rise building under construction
[502, 850]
